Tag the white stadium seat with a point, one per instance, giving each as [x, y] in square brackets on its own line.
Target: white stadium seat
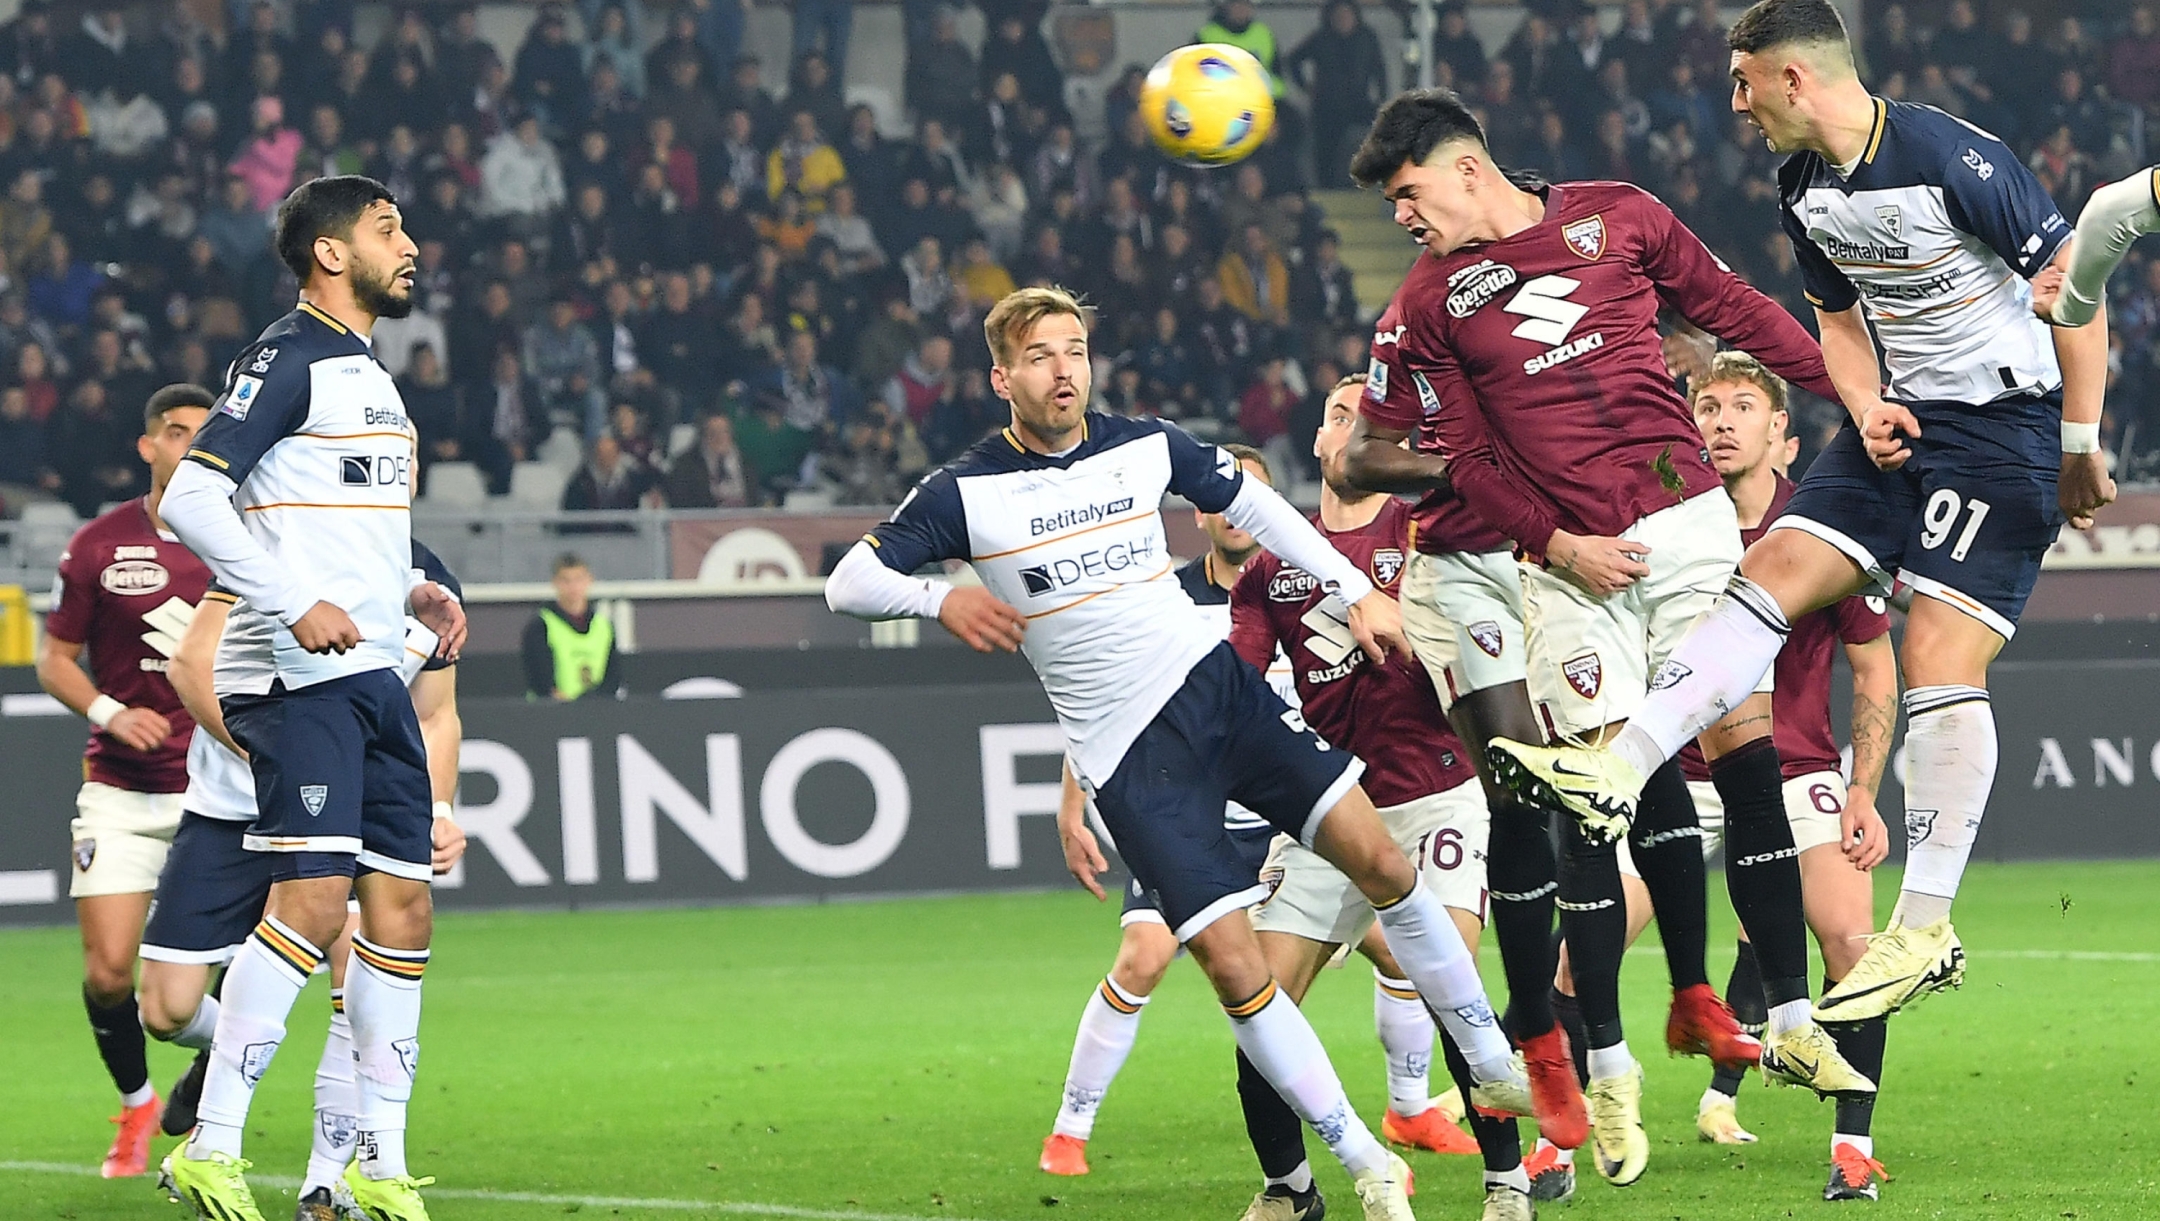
[538, 486]
[454, 485]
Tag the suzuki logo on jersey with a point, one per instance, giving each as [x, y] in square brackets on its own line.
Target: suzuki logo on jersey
[1085, 515]
[356, 471]
[1548, 314]
[1060, 574]
[1387, 564]
[167, 624]
[1586, 237]
[1472, 287]
[241, 396]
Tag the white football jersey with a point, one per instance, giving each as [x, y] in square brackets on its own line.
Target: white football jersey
[1075, 543]
[1935, 236]
[312, 430]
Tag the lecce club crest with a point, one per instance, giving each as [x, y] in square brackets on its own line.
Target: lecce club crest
[1586, 237]
[1387, 564]
[1585, 674]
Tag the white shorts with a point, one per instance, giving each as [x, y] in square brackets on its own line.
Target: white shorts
[1463, 613]
[1590, 658]
[1444, 835]
[1812, 805]
[121, 838]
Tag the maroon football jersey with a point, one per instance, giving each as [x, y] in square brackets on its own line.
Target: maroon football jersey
[125, 593]
[1441, 522]
[1800, 704]
[1386, 715]
[1542, 348]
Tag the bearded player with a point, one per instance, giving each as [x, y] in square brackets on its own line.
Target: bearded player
[213, 889]
[1163, 722]
[1531, 329]
[1419, 777]
[1916, 227]
[126, 589]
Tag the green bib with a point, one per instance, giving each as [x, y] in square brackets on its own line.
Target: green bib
[580, 657]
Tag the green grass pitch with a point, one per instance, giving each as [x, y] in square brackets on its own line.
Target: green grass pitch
[903, 1059]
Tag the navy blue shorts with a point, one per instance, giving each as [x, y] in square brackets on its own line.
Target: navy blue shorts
[1965, 521]
[210, 895]
[341, 779]
[1225, 736]
[1251, 842]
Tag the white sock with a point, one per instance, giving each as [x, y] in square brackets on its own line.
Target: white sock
[1565, 1157]
[1950, 748]
[1715, 1097]
[337, 1102]
[264, 980]
[1791, 1015]
[1865, 1144]
[1298, 1180]
[1275, 1036]
[1108, 1026]
[382, 998]
[1614, 1061]
[199, 1030]
[2117, 215]
[1514, 1176]
[1430, 951]
[139, 1096]
[1406, 1035]
[1717, 665]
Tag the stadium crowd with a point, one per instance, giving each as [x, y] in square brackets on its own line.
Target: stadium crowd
[629, 225]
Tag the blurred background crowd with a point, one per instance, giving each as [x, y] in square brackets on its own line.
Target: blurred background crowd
[658, 271]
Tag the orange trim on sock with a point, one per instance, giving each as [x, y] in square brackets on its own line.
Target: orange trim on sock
[1259, 1001]
[381, 960]
[297, 954]
[1401, 994]
[1111, 998]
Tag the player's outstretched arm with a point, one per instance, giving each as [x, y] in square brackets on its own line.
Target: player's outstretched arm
[2117, 215]
[861, 585]
[1864, 838]
[1378, 461]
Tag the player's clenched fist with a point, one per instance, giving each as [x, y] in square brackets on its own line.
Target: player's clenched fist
[983, 623]
[2084, 487]
[326, 629]
[1883, 428]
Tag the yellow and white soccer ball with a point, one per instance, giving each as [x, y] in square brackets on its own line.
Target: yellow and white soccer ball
[1208, 104]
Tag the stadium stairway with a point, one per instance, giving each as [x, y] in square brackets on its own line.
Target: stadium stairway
[1373, 248]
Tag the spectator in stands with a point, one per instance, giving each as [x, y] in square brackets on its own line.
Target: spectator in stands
[266, 160]
[924, 378]
[25, 473]
[563, 361]
[817, 397]
[812, 86]
[773, 450]
[93, 447]
[1322, 292]
[883, 455]
[941, 74]
[568, 649]
[610, 479]
[2133, 61]
[802, 162]
[745, 91]
[850, 233]
[823, 25]
[1457, 46]
[614, 34]
[710, 474]
[1255, 278]
[961, 418]
[1017, 48]
[33, 376]
[61, 284]
[521, 181]
[24, 219]
[1341, 69]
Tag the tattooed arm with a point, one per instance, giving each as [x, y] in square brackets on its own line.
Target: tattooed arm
[1874, 724]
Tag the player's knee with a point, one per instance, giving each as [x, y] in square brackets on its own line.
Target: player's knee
[107, 979]
[166, 1008]
[1142, 961]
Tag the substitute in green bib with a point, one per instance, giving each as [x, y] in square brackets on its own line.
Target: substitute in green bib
[569, 648]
